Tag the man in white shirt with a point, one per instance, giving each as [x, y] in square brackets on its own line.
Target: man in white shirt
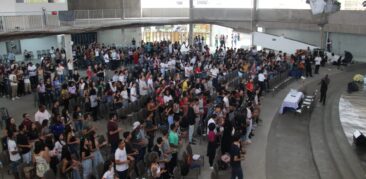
[226, 101]
[122, 160]
[214, 72]
[32, 70]
[317, 60]
[106, 59]
[14, 85]
[60, 72]
[143, 86]
[41, 114]
[15, 158]
[261, 82]
[250, 122]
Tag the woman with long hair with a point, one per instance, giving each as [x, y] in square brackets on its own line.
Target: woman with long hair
[95, 146]
[69, 166]
[109, 170]
[41, 159]
[86, 158]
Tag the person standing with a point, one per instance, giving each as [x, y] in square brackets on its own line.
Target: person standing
[15, 158]
[14, 85]
[261, 82]
[113, 132]
[236, 158]
[308, 67]
[122, 160]
[24, 145]
[317, 60]
[323, 89]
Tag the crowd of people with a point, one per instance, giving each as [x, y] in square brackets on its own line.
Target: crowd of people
[185, 97]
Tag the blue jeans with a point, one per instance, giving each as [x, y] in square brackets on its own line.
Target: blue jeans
[87, 168]
[98, 159]
[27, 158]
[78, 125]
[236, 172]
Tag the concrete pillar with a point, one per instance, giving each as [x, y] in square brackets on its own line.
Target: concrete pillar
[211, 42]
[254, 20]
[322, 42]
[190, 32]
[68, 46]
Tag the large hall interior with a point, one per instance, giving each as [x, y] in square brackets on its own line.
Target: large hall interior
[174, 89]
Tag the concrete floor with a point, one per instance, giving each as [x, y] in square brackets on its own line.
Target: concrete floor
[280, 149]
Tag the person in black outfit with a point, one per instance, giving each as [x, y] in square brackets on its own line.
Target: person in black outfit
[24, 145]
[308, 67]
[236, 158]
[323, 89]
[226, 139]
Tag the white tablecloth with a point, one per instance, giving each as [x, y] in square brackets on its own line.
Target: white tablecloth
[292, 100]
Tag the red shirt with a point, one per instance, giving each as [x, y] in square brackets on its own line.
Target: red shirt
[249, 86]
[89, 73]
[135, 58]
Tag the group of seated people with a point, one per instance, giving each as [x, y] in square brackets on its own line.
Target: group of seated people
[186, 98]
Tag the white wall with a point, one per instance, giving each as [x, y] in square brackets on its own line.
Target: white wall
[278, 43]
[309, 37]
[120, 37]
[24, 7]
[33, 45]
[7, 6]
[352, 43]
[110, 36]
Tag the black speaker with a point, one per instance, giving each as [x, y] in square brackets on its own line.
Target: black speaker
[359, 139]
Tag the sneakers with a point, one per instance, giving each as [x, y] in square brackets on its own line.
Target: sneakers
[16, 97]
[13, 99]
[211, 168]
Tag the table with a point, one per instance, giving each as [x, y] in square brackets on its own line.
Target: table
[292, 100]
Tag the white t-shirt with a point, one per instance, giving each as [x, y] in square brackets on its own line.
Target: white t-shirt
[70, 65]
[40, 116]
[317, 60]
[167, 98]
[58, 148]
[121, 155]
[124, 95]
[261, 77]
[93, 101]
[226, 101]
[32, 70]
[13, 80]
[133, 94]
[249, 114]
[211, 120]
[109, 174]
[214, 72]
[12, 146]
[143, 87]
[60, 70]
[106, 58]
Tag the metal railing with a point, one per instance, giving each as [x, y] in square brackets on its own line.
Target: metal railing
[28, 22]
